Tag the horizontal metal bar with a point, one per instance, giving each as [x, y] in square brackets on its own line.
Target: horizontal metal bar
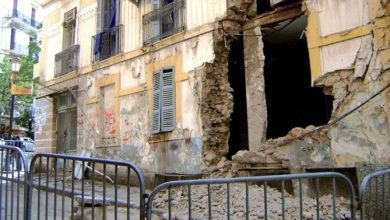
[363, 191]
[73, 193]
[265, 179]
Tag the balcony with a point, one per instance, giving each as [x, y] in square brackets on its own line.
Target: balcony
[26, 20]
[164, 21]
[18, 49]
[67, 60]
[107, 43]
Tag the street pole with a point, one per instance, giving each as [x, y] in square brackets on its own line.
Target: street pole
[15, 69]
[11, 117]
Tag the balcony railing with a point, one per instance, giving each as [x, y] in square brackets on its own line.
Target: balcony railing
[164, 21]
[19, 48]
[67, 60]
[25, 19]
[107, 43]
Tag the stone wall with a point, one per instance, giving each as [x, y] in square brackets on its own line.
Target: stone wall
[364, 135]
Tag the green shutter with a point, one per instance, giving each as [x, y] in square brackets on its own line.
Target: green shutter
[168, 117]
[156, 118]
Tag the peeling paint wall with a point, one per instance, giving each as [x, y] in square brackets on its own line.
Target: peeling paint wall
[353, 71]
[354, 63]
[350, 60]
[179, 151]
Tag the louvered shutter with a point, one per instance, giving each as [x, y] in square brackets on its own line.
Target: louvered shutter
[168, 117]
[156, 118]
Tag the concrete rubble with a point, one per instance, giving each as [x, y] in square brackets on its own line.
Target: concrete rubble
[199, 201]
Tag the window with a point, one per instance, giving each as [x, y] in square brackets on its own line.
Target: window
[164, 118]
[68, 38]
[108, 40]
[67, 60]
[167, 18]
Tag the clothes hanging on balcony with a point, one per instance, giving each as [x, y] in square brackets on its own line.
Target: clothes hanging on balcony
[98, 43]
[113, 14]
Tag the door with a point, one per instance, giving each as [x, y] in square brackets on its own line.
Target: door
[66, 123]
[62, 132]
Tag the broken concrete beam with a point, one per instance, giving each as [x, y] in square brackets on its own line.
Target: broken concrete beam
[249, 157]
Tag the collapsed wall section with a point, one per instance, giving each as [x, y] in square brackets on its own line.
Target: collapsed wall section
[349, 57]
[217, 99]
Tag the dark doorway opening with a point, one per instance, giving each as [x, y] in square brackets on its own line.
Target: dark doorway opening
[238, 126]
[263, 6]
[291, 100]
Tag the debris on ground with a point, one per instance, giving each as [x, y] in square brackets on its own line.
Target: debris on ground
[237, 194]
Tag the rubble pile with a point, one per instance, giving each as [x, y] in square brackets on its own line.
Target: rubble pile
[237, 192]
[275, 154]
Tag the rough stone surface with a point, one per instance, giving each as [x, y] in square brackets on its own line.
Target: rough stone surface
[249, 157]
[237, 195]
[217, 100]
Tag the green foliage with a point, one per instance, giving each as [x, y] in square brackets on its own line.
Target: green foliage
[24, 78]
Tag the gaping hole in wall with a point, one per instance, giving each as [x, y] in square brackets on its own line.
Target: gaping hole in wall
[238, 126]
[291, 100]
[263, 6]
[269, 5]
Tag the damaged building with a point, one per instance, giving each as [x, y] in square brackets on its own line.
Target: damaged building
[194, 86]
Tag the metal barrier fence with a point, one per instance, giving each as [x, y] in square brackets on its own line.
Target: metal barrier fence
[73, 187]
[22, 145]
[206, 199]
[13, 184]
[373, 200]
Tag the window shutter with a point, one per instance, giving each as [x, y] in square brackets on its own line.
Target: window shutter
[168, 101]
[156, 102]
[155, 24]
[99, 16]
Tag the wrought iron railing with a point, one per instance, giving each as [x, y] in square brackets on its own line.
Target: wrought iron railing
[67, 60]
[27, 20]
[107, 43]
[164, 21]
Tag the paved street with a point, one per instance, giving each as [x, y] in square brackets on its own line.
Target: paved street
[48, 204]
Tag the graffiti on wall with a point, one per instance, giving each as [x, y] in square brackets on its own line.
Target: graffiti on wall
[131, 125]
[109, 136]
[133, 116]
[109, 122]
[40, 119]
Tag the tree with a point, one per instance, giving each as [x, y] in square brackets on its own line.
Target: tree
[24, 78]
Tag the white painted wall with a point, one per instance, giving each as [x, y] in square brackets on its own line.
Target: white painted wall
[341, 15]
[86, 28]
[53, 45]
[133, 73]
[342, 55]
[198, 50]
[132, 29]
[200, 12]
